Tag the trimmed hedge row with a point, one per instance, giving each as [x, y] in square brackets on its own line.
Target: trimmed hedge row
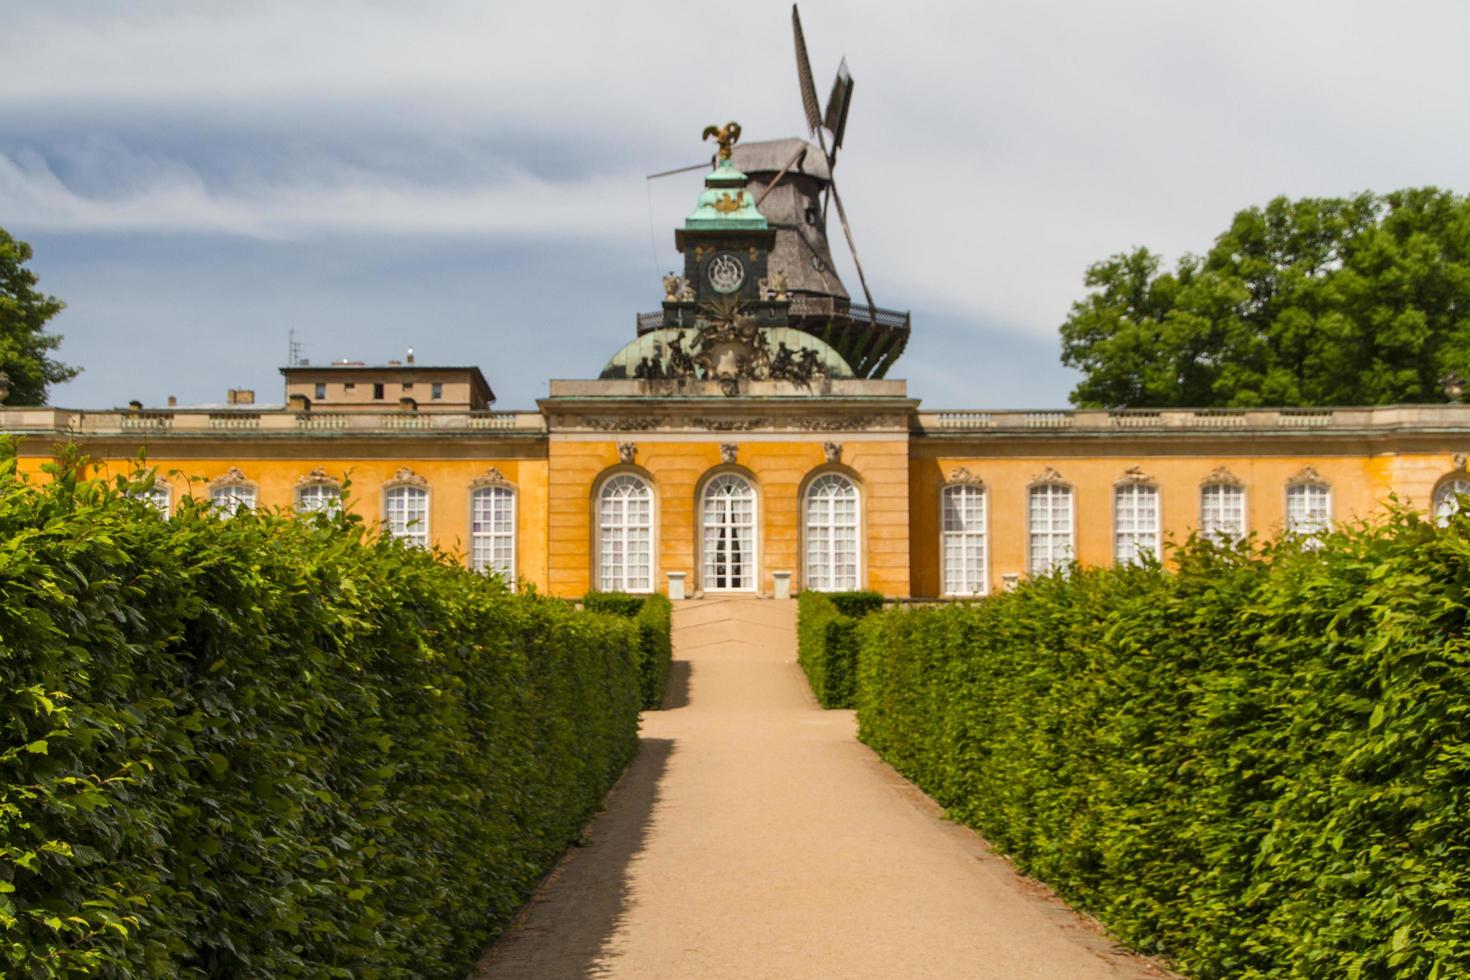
[653, 615]
[1258, 766]
[266, 746]
[827, 645]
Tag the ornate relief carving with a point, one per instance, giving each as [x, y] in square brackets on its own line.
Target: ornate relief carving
[492, 477]
[962, 474]
[318, 477]
[621, 423]
[833, 451]
[730, 425]
[728, 452]
[232, 477]
[1221, 476]
[627, 451]
[1306, 475]
[1135, 475]
[1048, 475]
[406, 477]
[838, 423]
[1461, 460]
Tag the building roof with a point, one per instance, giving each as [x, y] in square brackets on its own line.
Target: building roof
[769, 156]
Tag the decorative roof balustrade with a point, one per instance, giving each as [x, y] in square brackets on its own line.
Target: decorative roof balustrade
[265, 422]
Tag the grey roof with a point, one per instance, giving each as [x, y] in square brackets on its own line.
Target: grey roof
[769, 156]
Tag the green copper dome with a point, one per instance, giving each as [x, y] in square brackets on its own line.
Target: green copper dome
[725, 203]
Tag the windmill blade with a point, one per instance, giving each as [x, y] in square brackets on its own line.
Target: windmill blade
[804, 76]
[795, 158]
[838, 102]
[852, 247]
[678, 170]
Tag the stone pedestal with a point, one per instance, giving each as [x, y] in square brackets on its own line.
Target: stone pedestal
[783, 585]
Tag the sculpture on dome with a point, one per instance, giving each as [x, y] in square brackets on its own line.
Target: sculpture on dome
[727, 136]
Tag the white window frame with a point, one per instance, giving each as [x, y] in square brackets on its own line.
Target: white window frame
[1059, 546]
[823, 565]
[618, 536]
[1212, 511]
[964, 521]
[161, 496]
[1131, 544]
[400, 519]
[319, 497]
[484, 541]
[1445, 501]
[231, 491]
[1304, 525]
[749, 564]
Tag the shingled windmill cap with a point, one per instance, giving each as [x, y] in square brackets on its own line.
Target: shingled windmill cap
[725, 204]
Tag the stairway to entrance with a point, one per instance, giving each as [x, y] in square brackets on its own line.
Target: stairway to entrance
[755, 837]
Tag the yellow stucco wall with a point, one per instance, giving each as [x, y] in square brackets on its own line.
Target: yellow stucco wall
[448, 479]
[899, 480]
[677, 470]
[1360, 483]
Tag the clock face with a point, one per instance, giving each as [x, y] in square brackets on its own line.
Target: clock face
[725, 273]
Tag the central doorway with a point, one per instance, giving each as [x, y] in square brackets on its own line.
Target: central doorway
[729, 522]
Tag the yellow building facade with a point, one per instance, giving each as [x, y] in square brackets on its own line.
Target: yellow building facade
[747, 440]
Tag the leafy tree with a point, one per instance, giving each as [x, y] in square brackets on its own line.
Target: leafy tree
[1321, 301]
[24, 344]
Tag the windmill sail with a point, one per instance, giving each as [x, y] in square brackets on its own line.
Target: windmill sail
[804, 76]
[838, 103]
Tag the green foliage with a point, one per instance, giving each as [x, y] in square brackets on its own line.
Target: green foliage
[278, 747]
[827, 645]
[653, 615]
[24, 344]
[613, 603]
[1257, 767]
[1321, 301]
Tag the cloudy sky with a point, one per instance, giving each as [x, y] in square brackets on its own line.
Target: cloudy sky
[198, 179]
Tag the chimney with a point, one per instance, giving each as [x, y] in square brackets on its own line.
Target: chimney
[244, 396]
[410, 355]
[173, 401]
[230, 396]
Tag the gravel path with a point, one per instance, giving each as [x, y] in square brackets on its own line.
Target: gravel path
[755, 837]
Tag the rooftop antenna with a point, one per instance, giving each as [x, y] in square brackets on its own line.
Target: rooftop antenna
[293, 349]
[835, 120]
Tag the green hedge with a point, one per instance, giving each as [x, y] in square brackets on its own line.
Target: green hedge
[1258, 766]
[653, 615]
[826, 644]
[266, 746]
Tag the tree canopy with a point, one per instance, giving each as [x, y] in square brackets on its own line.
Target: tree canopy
[1320, 301]
[24, 345]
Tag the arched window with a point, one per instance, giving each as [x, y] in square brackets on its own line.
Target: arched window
[493, 531]
[160, 497]
[230, 492]
[318, 493]
[1308, 505]
[962, 519]
[406, 508]
[832, 525]
[1050, 526]
[1222, 511]
[1447, 497]
[625, 535]
[729, 529]
[1135, 522]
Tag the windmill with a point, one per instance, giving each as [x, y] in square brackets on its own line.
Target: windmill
[793, 184]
